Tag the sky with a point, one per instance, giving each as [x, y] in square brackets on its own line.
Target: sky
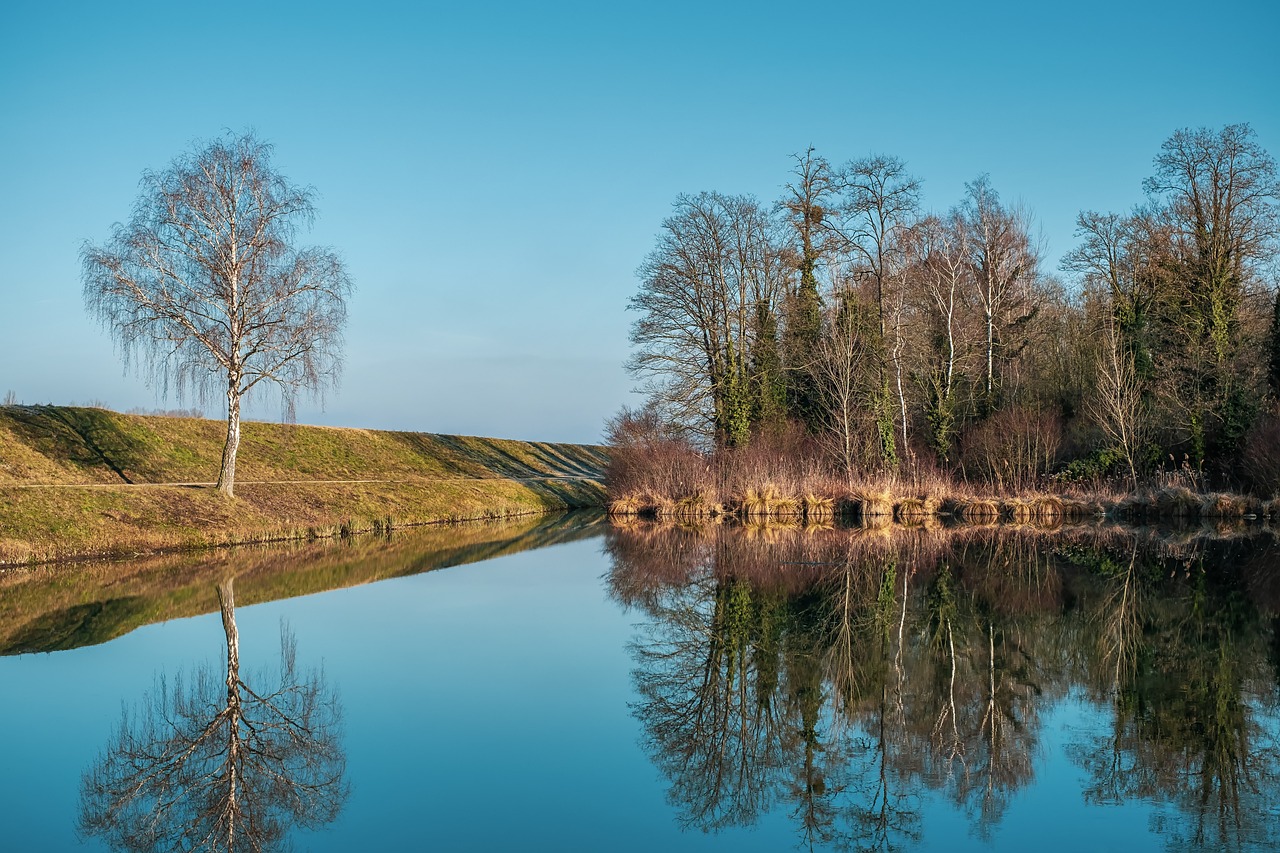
[492, 174]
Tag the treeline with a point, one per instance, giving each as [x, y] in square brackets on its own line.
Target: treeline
[884, 337]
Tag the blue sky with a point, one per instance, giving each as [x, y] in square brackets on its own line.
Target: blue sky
[493, 173]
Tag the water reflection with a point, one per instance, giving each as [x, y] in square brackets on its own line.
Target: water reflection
[218, 763]
[849, 675]
[55, 608]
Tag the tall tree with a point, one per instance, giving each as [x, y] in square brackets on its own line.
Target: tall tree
[807, 205]
[942, 274]
[1216, 193]
[206, 288]
[1005, 268]
[842, 354]
[1117, 406]
[716, 263]
[880, 201]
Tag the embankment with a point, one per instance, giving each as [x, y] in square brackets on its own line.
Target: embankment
[79, 482]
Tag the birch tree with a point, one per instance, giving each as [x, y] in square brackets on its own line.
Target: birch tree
[839, 369]
[1117, 406]
[880, 202]
[206, 291]
[1005, 267]
[943, 275]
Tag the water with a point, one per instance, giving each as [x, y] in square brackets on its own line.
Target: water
[564, 685]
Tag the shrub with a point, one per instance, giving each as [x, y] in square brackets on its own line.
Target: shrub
[647, 458]
[1012, 449]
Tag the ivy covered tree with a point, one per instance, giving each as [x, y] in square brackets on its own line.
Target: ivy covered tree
[806, 205]
[699, 338]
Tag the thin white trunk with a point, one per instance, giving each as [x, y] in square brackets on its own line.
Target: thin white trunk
[991, 349]
[227, 600]
[227, 474]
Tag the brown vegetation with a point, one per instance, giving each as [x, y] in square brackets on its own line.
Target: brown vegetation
[783, 477]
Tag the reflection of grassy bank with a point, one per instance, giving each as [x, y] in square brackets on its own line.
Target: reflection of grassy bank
[77, 482]
[52, 608]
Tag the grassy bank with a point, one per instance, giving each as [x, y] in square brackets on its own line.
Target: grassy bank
[77, 482]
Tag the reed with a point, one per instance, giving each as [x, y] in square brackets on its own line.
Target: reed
[978, 511]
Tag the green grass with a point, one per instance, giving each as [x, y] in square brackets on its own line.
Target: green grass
[104, 468]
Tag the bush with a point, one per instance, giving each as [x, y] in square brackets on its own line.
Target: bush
[1093, 469]
[648, 458]
[1012, 449]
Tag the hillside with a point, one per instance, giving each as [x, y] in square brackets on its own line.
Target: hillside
[80, 481]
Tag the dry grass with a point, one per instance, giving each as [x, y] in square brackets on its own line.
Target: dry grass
[978, 511]
[1220, 505]
[818, 509]
[783, 477]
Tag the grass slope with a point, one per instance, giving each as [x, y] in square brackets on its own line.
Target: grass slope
[78, 482]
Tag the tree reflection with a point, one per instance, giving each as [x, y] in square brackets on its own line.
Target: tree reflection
[215, 764]
[1194, 713]
[707, 699]
[843, 674]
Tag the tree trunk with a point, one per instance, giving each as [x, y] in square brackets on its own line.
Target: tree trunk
[991, 353]
[227, 475]
[227, 604]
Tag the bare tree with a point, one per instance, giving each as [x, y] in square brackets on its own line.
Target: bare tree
[1005, 267]
[206, 288]
[716, 270]
[943, 274]
[841, 378]
[214, 764]
[881, 201]
[1117, 406]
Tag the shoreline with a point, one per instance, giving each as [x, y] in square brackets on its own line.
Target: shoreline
[880, 506]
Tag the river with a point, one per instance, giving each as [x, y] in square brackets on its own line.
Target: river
[566, 684]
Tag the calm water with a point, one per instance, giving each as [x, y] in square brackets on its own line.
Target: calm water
[564, 685]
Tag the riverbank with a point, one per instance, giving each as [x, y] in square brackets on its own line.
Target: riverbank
[85, 482]
[675, 483]
[881, 506]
